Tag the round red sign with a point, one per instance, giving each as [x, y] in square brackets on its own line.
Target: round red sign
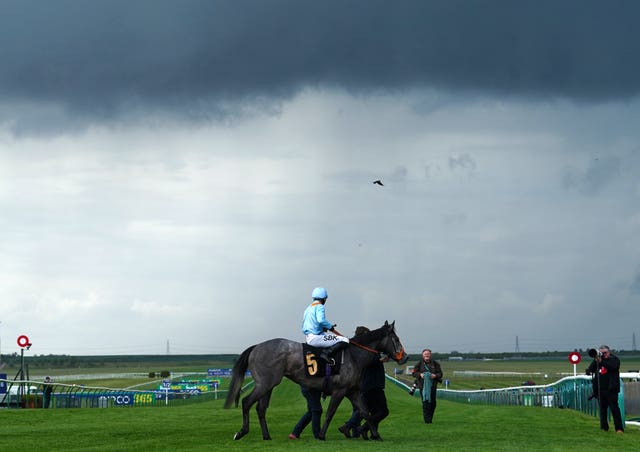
[23, 341]
[575, 358]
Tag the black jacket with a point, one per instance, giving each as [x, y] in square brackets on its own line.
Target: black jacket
[373, 377]
[609, 376]
[433, 367]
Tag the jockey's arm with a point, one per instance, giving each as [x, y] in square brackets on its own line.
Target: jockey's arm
[322, 320]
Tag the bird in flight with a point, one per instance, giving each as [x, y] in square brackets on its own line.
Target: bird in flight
[378, 182]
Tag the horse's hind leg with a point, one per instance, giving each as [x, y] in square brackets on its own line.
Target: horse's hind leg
[261, 409]
[246, 407]
[255, 396]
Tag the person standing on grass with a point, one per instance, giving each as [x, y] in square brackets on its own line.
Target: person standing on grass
[351, 428]
[605, 369]
[313, 414]
[428, 374]
[372, 390]
[47, 389]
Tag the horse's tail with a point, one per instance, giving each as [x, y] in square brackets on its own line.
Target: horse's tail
[237, 377]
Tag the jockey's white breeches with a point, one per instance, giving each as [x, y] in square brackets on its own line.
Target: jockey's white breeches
[326, 339]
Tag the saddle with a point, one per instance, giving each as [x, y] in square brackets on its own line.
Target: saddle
[314, 365]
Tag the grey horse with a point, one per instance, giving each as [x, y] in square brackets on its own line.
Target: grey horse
[274, 359]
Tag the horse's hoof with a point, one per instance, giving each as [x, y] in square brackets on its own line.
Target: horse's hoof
[266, 438]
[238, 435]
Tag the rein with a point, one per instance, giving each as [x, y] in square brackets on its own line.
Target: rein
[397, 356]
[364, 347]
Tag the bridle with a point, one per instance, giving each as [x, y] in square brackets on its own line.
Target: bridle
[398, 356]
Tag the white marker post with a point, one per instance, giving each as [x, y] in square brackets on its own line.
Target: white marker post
[166, 384]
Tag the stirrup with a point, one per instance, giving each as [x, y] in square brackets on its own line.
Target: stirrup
[328, 359]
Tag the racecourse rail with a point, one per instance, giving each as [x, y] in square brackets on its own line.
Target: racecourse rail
[29, 394]
[573, 392]
[569, 392]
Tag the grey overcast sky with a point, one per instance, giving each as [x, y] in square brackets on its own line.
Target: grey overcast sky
[187, 172]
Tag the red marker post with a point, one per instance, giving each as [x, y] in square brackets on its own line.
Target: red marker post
[23, 342]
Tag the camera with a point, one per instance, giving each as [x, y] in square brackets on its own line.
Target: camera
[594, 353]
[413, 388]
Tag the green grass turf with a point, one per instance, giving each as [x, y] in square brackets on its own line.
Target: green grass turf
[207, 426]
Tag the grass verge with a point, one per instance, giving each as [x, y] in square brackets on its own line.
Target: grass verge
[207, 426]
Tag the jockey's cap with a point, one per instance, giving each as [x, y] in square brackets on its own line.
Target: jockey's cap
[319, 293]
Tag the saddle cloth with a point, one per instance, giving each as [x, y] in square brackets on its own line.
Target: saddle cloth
[314, 365]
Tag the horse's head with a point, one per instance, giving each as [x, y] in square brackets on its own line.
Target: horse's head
[383, 340]
[391, 345]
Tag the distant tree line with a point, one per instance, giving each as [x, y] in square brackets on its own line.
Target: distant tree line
[97, 361]
[225, 360]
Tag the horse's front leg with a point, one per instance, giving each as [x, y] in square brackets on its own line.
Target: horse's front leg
[261, 409]
[334, 403]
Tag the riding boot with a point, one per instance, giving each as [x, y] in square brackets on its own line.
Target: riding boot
[327, 352]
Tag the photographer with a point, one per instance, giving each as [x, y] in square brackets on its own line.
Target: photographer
[605, 369]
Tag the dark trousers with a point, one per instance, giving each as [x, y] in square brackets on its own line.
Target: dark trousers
[46, 398]
[313, 414]
[354, 423]
[377, 405]
[428, 408]
[609, 401]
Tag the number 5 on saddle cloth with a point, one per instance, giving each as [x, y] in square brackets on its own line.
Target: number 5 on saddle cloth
[316, 367]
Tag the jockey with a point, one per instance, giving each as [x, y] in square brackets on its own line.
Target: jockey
[318, 331]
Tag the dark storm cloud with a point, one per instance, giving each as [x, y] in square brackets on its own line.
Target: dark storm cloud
[196, 57]
[600, 172]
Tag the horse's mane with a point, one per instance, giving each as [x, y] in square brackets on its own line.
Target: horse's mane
[371, 336]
